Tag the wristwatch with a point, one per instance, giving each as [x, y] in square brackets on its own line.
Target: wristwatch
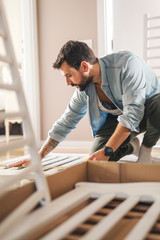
[108, 151]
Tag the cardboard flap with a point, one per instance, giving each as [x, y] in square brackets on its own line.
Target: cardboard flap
[65, 180]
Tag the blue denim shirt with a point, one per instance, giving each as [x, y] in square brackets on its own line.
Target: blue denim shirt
[126, 80]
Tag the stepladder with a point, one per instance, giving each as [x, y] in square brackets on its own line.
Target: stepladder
[41, 195]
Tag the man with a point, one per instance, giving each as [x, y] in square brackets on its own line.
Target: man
[122, 95]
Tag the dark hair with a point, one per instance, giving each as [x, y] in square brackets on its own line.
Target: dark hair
[74, 52]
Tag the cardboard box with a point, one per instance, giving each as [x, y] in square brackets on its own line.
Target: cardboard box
[91, 171]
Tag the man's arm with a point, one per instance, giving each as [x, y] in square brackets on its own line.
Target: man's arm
[47, 147]
[118, 137]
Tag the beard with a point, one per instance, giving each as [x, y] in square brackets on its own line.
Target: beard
[84, 84]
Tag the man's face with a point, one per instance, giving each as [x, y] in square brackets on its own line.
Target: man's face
[75, 78]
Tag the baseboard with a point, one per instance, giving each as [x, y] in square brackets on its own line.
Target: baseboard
[73, 144]
[86, 145]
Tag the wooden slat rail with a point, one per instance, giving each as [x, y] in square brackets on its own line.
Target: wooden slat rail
[148, 220]
[79, 218]
[87, 223]
[35, 222]
[109, 221]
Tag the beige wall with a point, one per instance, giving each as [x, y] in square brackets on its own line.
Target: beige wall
[58, 22]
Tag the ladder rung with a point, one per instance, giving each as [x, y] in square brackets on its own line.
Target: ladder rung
[151, 38]
[156, 67]
[2, 34]
[14, 145]
[151, 18]
[13, 87]
[154, 47]
[153, 57]
[19, 114]
[152, 28]
[5, 59]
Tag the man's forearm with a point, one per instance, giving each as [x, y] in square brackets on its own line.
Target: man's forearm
[48, 146]
[118, 137]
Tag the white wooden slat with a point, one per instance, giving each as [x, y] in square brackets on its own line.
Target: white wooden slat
[13, 87]
[4, 115]
[5, 59]
[2, 33]
[128, 189]
[153, 57]
[42, 217]
[152, 28]
[155, 67]
[16, 178]
[79, 218]
[153, 18]
[145, 224]
[15, 144]
[153, 47]
[5, 171]
[152, 38]
[20, 211]
[111, 219]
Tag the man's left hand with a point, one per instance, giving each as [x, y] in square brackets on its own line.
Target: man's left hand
[99, 156]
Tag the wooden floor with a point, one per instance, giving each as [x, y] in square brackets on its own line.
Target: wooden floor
[13, 154]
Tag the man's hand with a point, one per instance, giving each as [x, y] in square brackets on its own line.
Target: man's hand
[23, 163]
[48, 146]
[99, 156]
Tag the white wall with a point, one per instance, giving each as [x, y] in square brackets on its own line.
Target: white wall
[128, 23]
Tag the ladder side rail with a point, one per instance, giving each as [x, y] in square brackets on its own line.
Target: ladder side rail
[20, 212]
[145, 35]
[40, 180]
[150, 42]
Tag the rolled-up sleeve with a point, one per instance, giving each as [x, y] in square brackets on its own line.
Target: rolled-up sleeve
[133, 97]
[74, 112]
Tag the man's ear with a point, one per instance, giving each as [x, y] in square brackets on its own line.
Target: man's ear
[84, 66]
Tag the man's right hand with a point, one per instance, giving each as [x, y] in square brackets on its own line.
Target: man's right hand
[23, 163]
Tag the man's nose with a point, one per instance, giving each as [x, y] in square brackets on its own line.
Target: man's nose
[68, 81]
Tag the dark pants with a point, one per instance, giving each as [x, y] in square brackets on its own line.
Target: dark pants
[150, 124]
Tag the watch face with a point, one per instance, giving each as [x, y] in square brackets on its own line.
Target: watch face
[108, 151]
